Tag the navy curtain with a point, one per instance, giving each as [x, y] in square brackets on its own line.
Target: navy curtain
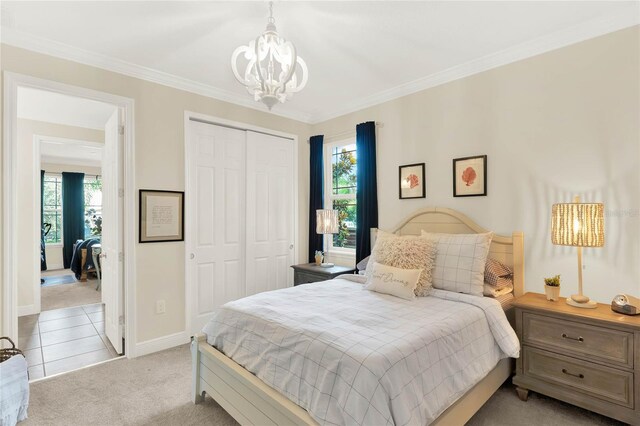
[72, 213]
[43, 253]
[316, 193]
[366, 188]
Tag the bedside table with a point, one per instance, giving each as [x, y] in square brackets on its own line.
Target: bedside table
[586, 357]
[311, 273]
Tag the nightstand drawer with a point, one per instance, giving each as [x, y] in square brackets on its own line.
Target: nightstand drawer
[584, 377]
[302, 278]
[595, 343]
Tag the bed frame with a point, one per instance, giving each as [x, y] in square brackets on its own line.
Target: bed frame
[252, 402]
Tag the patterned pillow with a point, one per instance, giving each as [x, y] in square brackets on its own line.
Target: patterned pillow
[405, 252]
[460, 261]
[494, 270]
[394, 281]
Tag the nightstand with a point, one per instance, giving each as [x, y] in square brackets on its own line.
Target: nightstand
[310, 273]
[586, 357]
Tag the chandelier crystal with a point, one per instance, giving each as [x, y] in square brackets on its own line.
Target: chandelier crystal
[270, 73]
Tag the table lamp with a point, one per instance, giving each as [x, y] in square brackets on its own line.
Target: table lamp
[580, 225]
[326, 223]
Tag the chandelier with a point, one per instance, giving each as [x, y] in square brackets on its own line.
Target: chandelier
[270, 74]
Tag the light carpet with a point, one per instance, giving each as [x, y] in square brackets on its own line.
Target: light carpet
[156, 390]
[68, 295]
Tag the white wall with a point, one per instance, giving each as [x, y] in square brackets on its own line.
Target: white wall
[28, 273]
[54, 252]
[560, 124]
[159, 164]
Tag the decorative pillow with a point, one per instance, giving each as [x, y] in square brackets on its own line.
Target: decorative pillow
[494, 270]
[502, 283]
[362, 265]
[492, 291]
[460, 261]
[406, 252]
[394, 281]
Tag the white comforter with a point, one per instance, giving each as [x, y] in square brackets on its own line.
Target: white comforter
[355, 357]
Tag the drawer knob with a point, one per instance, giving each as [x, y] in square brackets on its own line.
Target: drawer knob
[568, 373]
[577, 339]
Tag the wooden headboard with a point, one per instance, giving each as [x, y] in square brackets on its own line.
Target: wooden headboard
[507, 249]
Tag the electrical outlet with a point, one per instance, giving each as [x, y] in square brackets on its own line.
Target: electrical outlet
[160, 307]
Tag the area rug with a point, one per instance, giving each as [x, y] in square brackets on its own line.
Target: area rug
[58, 280]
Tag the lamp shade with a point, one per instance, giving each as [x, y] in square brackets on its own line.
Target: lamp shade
[327, 221]
[577, 224]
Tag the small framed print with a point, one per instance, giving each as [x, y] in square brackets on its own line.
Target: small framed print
[470, 176]
[161, 216]
[412, 182]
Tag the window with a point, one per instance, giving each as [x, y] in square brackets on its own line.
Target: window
[341, 162]
[92, 206]
[52, 207]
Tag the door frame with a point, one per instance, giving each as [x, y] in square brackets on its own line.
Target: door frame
[12, 81]
[218, 121]
[37, 160]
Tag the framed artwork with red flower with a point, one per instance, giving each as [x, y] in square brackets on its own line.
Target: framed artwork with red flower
[412, 183]
[470, 176]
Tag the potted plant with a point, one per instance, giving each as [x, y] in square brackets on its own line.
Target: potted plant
[552, 288]
[319, 257]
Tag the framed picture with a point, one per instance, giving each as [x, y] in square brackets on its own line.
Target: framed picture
[470, 176]
[161, 216]
[412, 182]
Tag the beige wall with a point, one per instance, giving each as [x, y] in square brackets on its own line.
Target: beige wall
[28, 272]
[54, 252]
[562, 123]
[159, 138]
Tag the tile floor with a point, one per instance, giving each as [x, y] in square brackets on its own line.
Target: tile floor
[64, 340]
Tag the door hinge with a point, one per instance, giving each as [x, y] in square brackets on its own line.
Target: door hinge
[120, 192]
[121, 257]
[121, 320]
[121, 130]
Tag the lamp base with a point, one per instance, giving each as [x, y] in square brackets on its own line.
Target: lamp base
[581, 302]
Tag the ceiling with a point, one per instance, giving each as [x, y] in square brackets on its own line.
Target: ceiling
[56, 108]
[358, 53]
[70, 152]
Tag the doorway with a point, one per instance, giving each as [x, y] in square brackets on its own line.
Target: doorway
[83, 244]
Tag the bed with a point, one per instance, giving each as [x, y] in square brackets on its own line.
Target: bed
[251, 401]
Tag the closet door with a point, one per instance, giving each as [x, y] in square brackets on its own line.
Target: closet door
[270, 212]
[216, 210]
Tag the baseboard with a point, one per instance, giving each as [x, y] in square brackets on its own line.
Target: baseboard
[27, 310]
[161, 343]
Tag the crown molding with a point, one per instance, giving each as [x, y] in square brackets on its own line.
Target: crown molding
[37, 44]
[581, 32]
[623, 19]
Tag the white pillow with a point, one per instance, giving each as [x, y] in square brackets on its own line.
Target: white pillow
[406, 252]
[394, 281]
[460, 261]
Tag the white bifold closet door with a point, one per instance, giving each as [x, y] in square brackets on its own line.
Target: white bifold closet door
[240, 210]
[270, 212]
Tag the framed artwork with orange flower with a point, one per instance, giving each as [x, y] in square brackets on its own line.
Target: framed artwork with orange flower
[412, 183]
[470, 176]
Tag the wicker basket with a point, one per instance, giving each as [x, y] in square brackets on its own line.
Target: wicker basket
[7, 353]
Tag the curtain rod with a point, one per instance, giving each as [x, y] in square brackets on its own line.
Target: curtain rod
[348, 132]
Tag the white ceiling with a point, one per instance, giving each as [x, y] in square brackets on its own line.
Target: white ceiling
[70, 152]
[56, 108]
[358, 53]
